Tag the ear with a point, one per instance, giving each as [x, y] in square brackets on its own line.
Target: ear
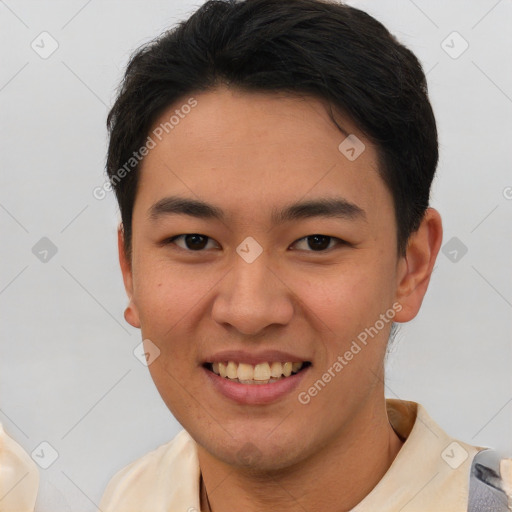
[415, 268]
[131, 315]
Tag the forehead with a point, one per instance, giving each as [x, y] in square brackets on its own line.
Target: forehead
[252, 151]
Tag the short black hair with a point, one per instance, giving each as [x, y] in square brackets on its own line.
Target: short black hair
[321, 48]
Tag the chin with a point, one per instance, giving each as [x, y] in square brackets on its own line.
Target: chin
[265, 452]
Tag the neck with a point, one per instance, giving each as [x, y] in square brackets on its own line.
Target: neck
[337, 477]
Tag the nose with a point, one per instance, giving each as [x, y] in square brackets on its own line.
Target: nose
[252, 297]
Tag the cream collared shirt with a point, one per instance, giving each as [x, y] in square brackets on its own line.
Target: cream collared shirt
[19, 477]
[430, 473]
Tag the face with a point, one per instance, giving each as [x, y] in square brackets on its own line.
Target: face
[258, 282]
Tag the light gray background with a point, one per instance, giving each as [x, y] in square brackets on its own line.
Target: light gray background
[68, 374]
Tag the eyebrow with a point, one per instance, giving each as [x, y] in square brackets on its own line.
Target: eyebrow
[337, 207]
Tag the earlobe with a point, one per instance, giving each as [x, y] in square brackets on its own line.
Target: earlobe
[415, 268]
[131, 314]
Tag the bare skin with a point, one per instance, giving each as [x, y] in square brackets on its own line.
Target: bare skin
[249, 154]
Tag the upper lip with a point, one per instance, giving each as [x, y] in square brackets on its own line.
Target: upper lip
[265, 356]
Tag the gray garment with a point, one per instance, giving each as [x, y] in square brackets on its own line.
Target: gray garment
[486, 493]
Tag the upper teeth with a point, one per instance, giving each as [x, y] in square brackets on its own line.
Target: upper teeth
[261, 371]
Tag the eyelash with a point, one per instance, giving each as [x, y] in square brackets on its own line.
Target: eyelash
[339, 241]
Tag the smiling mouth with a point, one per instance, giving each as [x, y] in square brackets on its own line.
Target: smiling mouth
[262, 373]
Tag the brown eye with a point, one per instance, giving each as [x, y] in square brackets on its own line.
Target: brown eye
[193, 241]
[319, 243]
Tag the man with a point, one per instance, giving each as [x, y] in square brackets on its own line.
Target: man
[272, 160]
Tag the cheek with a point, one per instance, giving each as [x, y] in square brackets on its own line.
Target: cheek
[164, 292]
[348, 296]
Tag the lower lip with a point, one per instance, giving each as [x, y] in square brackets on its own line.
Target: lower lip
[255, 394]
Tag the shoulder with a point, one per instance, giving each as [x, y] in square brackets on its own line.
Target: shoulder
[480, 472]
[455, 474]
[19, 477]
[168, 475]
